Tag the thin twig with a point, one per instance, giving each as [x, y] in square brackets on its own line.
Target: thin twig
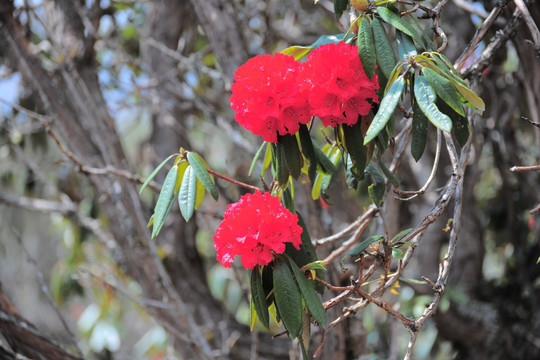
[529, 21]
[233, 181]
[478, 36]
[349, 229]
[422, 190]
[525, 168]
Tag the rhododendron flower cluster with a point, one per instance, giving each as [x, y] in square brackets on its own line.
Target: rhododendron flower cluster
[255, 228]
[273, 95]
[267, 96]
[341, 88]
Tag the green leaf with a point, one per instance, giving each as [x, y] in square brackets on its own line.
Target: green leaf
[167, 211]
[340, 6]
[326, 164]
[405, 46]
[377, 189]
[287, 200]
[389, 175]
[396, 21]
[383, 49]
[386, 109]
[460, 124]
[400, 236]
[359, 249]
[255, 158]
[307, 254]
[188, 193]
[267, 159]
[425, 96]
[445, 89]
[473, 100]
[313, 302]
[397, 253]
[199, 196]
[291, 153]
[322, 181]
[419, 132]
[287, 298]
[280, 166]
[154, 173]
[258, 298]
[268, 285]
[201, 171]
[413, 281]
[299, 52]
[366, 47]
[308, 151]
[165, 196]
[353, 141]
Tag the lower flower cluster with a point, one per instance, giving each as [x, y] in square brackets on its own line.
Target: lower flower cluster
[256, 227]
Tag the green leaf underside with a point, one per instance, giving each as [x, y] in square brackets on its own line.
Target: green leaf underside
[396, 21]
[383, 49]
[188, 193]
[425, 96]
[292, 155]
[255, 158]
[202, 174]
[366, 47]
[419, 132]
[164, 198]
[445, 89]
[405, 46]
[169, 207]
[288, 298]
[154, 173]
[311, 298]
[386, 109]
[258, 297]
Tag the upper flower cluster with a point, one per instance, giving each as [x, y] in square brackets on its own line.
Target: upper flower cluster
[274, 94]
[255, 227]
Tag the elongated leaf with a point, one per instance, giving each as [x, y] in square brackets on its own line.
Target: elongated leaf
[299, 52]
[460, 125]
[165, 196]
[188, 193]
[288, 298]
[405, 46]
[389, 175]
[473, 100]
[359, 249]
[396, 21]
[154, 173]
[326, 165]
[353, 141]
[287, 200]
[445, 89]
[377, 189]
[400, 236]
[425, 96]
[313, 302]
[366, 47]
[199, 196]
[258, 298]
[383, 49]
[322, 181]
[181, 165]
[201, 171]
[386, 109]
[308, 151]
[267, 159]
[268, 286]
[291, 153]
[280, 166]
[167, 211]
[255, 158]
[419, 132]
[340, 6]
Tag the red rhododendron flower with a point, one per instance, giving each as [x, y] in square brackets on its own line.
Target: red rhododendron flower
[341, 88]
[267, 96]
[254, 228]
